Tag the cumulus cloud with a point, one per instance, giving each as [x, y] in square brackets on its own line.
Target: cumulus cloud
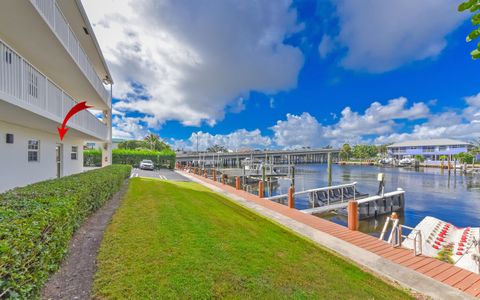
[195, 58]
[377, 118]
[381, 35]
[378, 124]
[463, 124]
[129, 128]
[237, 140]
[353, 127]
[297, 131]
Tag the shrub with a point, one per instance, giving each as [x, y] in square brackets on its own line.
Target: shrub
[164, 158]
[92, 158]
[38, 221]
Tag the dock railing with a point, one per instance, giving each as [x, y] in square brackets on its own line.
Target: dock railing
[396, 236]
[342, 187]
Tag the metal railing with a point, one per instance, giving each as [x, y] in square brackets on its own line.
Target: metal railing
[35, 91]
[396, 237]
[328, 188]
[58, 23]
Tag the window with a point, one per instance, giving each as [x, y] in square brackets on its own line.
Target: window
[74, 154]
[32, 84]
[442, 148]
[428, 149]
[33, 150]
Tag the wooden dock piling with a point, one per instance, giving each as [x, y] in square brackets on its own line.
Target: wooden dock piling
[260, 189]
[353, 215]
[237, 183]
[291, 199]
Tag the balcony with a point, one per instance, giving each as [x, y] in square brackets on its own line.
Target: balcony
[54, 17]
[24, 87]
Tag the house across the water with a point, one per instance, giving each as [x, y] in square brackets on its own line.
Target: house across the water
[432, 149]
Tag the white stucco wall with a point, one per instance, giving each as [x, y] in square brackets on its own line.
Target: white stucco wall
[16, 170]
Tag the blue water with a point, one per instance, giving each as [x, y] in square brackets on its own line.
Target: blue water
[433, 192]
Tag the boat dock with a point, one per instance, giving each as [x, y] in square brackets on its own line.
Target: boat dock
[337, 197]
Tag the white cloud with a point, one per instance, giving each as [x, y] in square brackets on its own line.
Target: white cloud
[194, 58]
[236, 140]
[378, 124]
[464, 124]
[298, 131]
[353, 127]
[382, 35]
[377, 118]
[129, 128]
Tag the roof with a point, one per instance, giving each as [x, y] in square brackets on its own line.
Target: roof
[430, 142]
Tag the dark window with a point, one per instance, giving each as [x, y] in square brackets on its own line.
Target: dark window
[33, 150]
[74, 154]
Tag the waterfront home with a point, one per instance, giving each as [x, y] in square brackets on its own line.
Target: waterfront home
[432, 149]
[49, 61]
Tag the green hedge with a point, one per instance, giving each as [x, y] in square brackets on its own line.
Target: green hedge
[38, 221]
[92, 158]
[165, 158]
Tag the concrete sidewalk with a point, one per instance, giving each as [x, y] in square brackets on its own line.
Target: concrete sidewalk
[396, 264]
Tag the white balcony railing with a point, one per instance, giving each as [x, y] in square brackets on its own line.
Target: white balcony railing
[54, 17]
[27, 86]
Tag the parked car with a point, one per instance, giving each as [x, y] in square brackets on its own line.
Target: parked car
[146, 164]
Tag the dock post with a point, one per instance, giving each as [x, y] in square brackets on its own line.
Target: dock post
[237, 183]
[223, 178]
[260, 189]
[291, 199]
[205, 173]
[214, 175]
[329, 166]
[353, 215]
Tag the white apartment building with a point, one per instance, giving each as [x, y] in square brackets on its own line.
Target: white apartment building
[49, 61]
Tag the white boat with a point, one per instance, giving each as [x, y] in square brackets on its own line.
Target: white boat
[459, 245]
[407, 161]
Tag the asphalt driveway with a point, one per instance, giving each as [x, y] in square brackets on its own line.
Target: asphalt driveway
[163, 174]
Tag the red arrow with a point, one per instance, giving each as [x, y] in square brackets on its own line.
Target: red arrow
[77, 108]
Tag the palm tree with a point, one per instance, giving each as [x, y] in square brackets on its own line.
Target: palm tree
[346, 151]
[152, 140]
[382, 149]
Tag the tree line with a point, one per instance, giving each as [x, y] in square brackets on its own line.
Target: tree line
[361, 151]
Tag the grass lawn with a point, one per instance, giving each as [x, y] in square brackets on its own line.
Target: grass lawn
[180, 240]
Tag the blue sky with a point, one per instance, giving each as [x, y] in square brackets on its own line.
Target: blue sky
[282, 74]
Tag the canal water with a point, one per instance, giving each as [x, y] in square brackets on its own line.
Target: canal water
[453, 197]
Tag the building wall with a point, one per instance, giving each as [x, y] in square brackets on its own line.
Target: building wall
[431, 152]
[16, 170]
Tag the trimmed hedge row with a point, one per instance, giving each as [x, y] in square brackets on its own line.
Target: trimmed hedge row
[165, 158]
[38, 221]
